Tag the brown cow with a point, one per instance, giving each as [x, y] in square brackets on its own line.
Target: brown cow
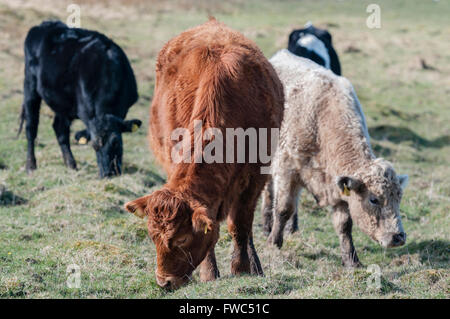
[213, 74]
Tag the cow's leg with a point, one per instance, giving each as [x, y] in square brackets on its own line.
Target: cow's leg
[208, 267]
[267, 211]
[239, 229]
[31, 107]
[255, 264]
[342, 223]
[61, 126]
[267, 207]
[240, 221]
[285, 192]
[292, 224]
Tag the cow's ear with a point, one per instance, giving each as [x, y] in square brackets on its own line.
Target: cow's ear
[347, 184]
[138, 206]
[403, 180]
[131, 126]
[327, 36]
[201, 222]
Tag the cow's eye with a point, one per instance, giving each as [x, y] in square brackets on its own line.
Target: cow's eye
[181, 241]
[374, 201]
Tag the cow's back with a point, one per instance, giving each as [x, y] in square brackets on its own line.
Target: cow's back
[71, 64]
[313, 93]
[324, 127]
[214, 74]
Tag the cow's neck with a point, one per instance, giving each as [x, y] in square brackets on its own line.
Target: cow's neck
[344, 151]
[203, 184]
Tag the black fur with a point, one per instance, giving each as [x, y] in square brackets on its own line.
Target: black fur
[322, 35]
[80, 74]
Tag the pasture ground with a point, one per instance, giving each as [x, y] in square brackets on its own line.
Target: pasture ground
[57, 217]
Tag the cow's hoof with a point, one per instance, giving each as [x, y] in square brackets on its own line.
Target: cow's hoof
[291, 229]
[210, 275]
[255, 268]
[240, 267]
[30, 167]
[267, 231]
[291, 226]
[352, 264]
[72, 166]
[275, 240]
[71, 163]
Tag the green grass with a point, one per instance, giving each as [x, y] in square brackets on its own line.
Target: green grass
[57, 217]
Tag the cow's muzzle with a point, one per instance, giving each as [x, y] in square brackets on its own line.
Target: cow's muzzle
[171, 282]
[394, 240]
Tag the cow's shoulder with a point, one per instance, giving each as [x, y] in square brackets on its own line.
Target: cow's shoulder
[299, 74]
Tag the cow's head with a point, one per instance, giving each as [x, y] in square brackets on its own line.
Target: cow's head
[183, 234]
[373, 196]
[105, 134]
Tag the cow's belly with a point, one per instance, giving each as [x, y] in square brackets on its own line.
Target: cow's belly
[60, 98]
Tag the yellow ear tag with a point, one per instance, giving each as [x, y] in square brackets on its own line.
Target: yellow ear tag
[82, 141]
[346, 191]
[206, 229]
[134, 128]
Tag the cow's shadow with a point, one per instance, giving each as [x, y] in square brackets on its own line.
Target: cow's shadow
[151, 178]
[403, 134]
[433, 252]
[321, 254]
[8, 198]
[381, 150]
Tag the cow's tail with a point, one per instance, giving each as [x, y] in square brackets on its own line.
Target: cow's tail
[21, 119]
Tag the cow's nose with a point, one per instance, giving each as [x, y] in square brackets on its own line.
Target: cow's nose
[166, 284]
[399, 239]
[163, 282]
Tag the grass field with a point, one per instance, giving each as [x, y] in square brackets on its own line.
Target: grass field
[57, 217]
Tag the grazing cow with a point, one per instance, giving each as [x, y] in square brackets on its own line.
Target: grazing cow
[324, 147]
[212, 74]
[80, 74]
[315, 44]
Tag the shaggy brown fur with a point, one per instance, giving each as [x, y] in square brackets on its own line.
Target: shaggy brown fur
[324, 147]
[214, 74]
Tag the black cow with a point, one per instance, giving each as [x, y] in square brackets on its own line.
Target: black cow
[315, 44]
[80, 74]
